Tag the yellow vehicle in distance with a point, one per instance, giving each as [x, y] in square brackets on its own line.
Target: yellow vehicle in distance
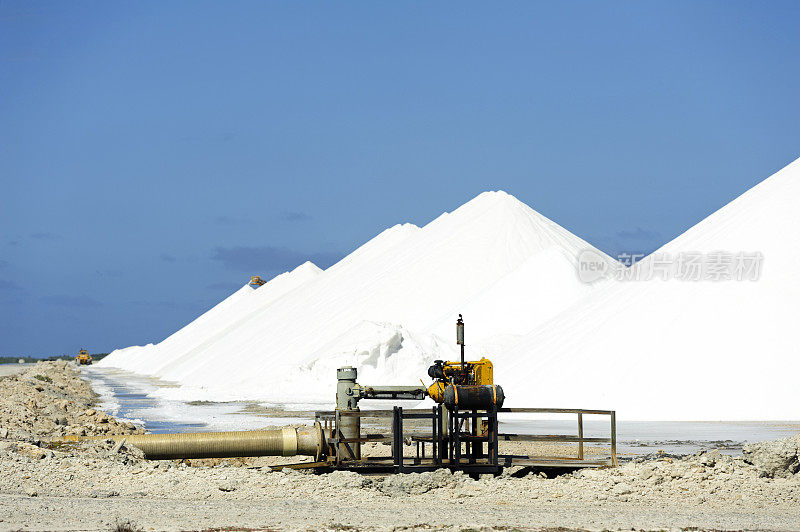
[83, 358]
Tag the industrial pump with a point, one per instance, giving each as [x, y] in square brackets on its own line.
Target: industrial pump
[458, 385]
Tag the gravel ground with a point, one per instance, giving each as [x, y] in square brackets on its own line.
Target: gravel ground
[93, 486]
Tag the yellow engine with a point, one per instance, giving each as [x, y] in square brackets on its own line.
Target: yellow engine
[460, 373]
[467, 374]
[83, 357]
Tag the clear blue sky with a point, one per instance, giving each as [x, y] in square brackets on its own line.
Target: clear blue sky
[155, 154]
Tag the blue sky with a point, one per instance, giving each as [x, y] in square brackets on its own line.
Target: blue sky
[155, 154]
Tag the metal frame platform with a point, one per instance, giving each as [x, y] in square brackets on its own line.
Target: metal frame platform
[469, 443]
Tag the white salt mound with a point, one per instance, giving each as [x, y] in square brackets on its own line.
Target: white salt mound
[682, 350]
[652, 349]
[388, 308]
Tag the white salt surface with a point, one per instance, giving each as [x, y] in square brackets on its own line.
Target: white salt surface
[131, 397]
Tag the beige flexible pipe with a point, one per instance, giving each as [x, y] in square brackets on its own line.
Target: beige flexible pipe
[306, 441]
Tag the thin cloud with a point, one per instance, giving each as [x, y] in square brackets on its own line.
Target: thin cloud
[269, 258]
[24, 57]
[45, 236]
[226, 136]
[70, 301]
[167, 258]
[227, 287]
[9, 286]
[3, 264]
[171, 304]
[293, 216]
[638, 234]
[109, 273]
[231, 220]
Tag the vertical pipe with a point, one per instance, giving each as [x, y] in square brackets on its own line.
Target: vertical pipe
[580, 435]
[347, 427]
[460, 341]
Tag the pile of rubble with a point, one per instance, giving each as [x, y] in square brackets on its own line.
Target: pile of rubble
[49, 400]
[774, 459]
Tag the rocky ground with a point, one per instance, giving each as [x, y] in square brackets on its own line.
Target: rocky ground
[95, 486]
[49, 400]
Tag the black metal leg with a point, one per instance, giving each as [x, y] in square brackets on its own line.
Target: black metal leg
[434, 454]
[456, 435]
[440, 443]
[473, 430]
[450, 438]
[400, 438]
[394, 435]
[495, 439]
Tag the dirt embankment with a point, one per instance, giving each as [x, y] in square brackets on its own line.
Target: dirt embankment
[49, 400]
[92, 485]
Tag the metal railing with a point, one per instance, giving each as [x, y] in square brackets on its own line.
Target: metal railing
[446, 448]
[330, 420]
[579, 438]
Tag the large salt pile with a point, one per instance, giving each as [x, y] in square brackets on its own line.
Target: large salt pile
[388, 308]
[684, 349]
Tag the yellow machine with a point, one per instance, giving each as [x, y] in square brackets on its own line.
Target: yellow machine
[458, 373]
[256, 280]
[83, 358]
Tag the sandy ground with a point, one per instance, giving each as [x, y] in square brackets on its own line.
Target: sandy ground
[94, 486]
[72, 513]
